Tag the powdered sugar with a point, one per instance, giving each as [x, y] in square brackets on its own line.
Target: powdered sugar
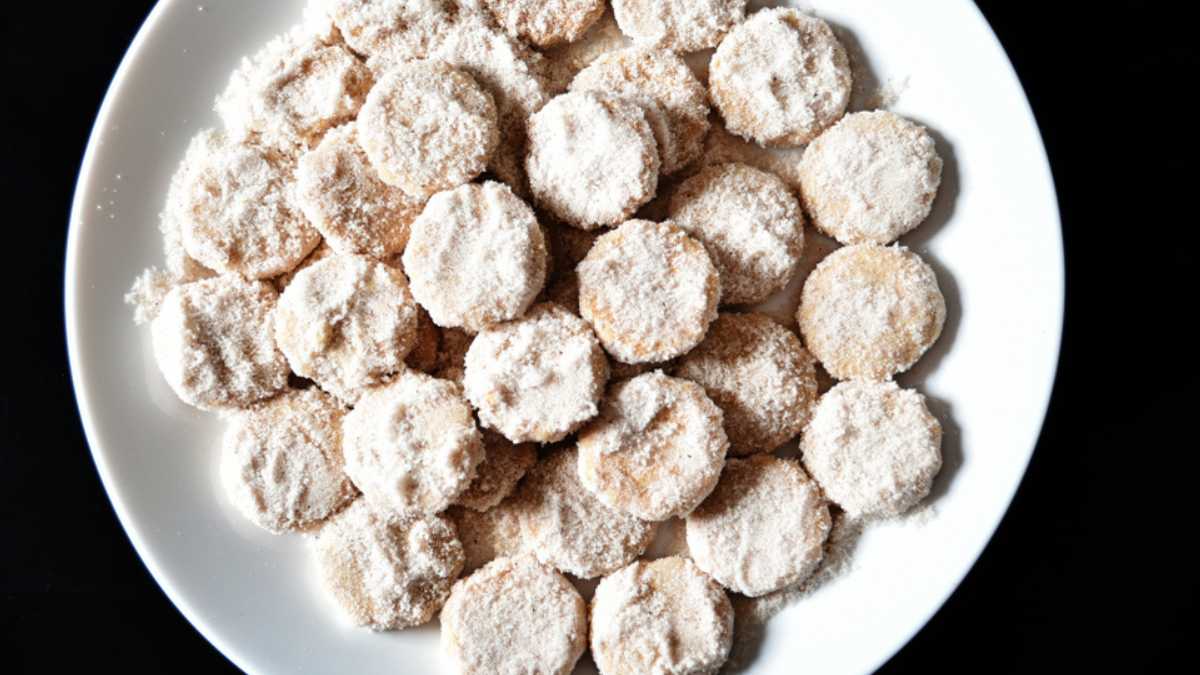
[680, 25]
[545, 23]
[504, 464]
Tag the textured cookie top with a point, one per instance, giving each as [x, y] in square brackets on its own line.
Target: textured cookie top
[545, 23]
[869, 312]
[749, 222]
[763, 528]
[680, 25]
[780, 78]
[487, 535]
[870, 178]
[874, 447]
[476, 256]
[503, 465]
[649, 290]
[656, 450]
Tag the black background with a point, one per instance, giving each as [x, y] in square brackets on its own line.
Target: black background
[1094, 566]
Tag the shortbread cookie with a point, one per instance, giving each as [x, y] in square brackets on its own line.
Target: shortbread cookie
[679, 25]
[545, 23]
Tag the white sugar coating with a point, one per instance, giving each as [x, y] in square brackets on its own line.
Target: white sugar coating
[405, 29]
[428, 127]
[536, 378]
[656, 450]
[424, 354]
[318, 254]
[870, 178]
[293, 90]
[750, 223]
[592, 159]
[476, 256]
[504, 464]
[237, 210]
[346, 322]
[281, 461]
[760, 376]
[780, 78]
[182, 267]
[545, 23]
[210, 344]
[664, 616]
[673, 100]
[868, 312]
[388, 572]
[564, 61]
[342, 196]
[452, 354]
[514, 616]
[147, 292]
[487, 535]
[649, 290]
[762, 529]
[569, 528]
[721, 147]
[874, 447]
[411, 445]
[679, 25]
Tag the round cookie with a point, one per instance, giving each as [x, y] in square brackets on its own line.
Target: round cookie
[679, 25]
[210, 344]
[564, 61]
[868, 312]
[343, 197]
[780, 78]
[411, 446]
[592, 159]
[497, 475]
[760, 376]
[487, 535]
[514, 616]
[387, 572]
[751, 225]
[237, 210]
[427, 127]
[569, 528]
[762, 529]
[545, 23]
[293, 90]
[874, 447]
[870, 178]
[402, 30]
[346, 322]
[673, 100]
[281, 461]
[664, 616]
[476, 256]
[656, 450]
[537, 378]
[649, 290]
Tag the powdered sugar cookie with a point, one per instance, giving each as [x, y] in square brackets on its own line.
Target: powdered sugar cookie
[749, 222]
[664, 616]
[680, 25]
[411, 446]
[537, 378]
[760, 375]
[656, 450]
[763, 528]
[722, 147]
[281, 461]
[512, 617]
[592, 159]
[318, 254]
[649, 290]
[343, 197]
[504, 464]
[386, 571]
[567, 527]
[210, 346]
[293, 90]
[237, 210]
[487, 535]
[476, 256]
[545, 23]
[870, 178]
[402, 29]
[346, 322]
[674, 101]
[873, 447]
[780, 78]
[869, 312]
[427, 127]
[564, 61]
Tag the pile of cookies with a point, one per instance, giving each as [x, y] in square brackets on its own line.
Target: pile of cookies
[470, 282]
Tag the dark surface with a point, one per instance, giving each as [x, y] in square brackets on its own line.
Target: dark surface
[1094, 566]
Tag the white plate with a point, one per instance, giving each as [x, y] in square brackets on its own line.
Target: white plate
[993, 239]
